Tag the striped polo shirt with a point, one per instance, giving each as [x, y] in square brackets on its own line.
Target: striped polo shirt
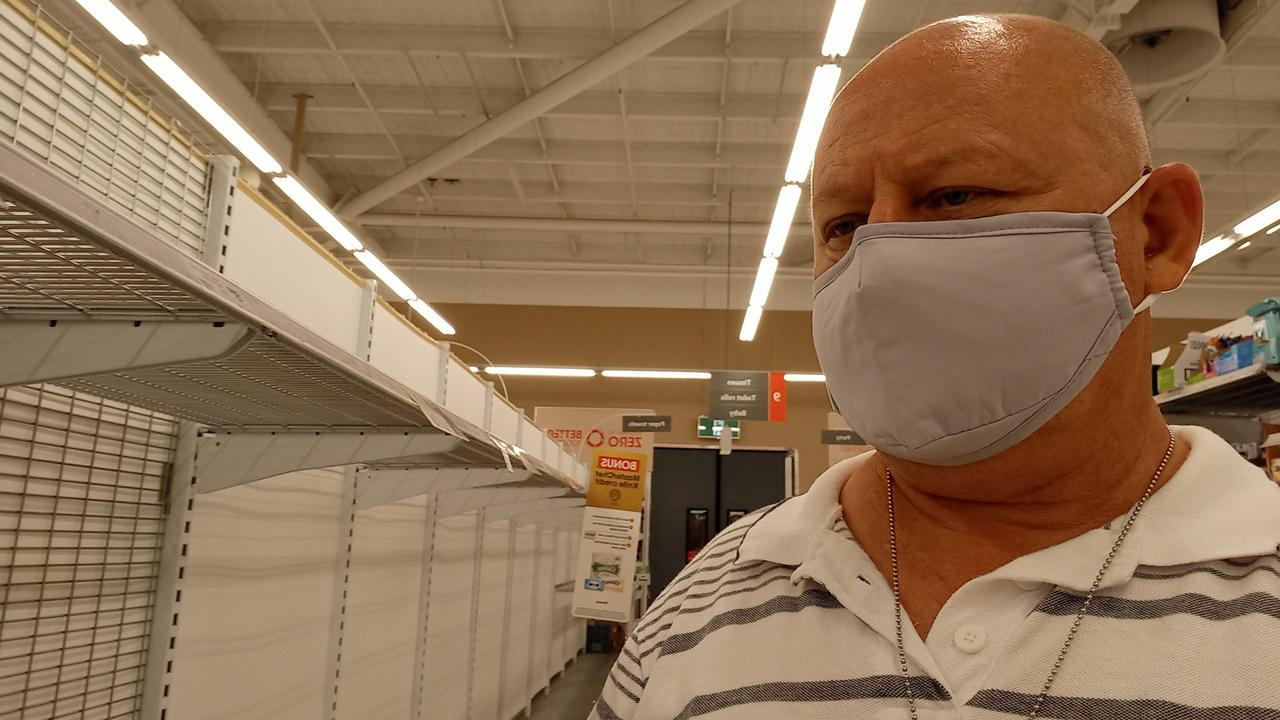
[783, 615]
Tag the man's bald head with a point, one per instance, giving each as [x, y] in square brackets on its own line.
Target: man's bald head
[1027, 112]
[1012, 62]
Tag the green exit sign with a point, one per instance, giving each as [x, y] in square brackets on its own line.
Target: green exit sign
[711, 428]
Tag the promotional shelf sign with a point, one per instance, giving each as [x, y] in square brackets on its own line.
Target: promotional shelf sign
[617, 446]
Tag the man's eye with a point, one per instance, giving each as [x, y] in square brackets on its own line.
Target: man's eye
[842, 228]
[955, 198]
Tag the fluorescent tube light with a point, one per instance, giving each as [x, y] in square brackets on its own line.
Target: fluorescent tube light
[1211, 248]
[764, 281]
[658, 374]
[473, 368]
[1244, 246]
[844, 21]
[821, 90]
[429, 314]
[115, 22]
[540, 371]
[1255, 222]
[319, 213]
[750, 322]
[804, 377]
[784, 214]
[1274, 230]
[210, 110]
[385, 275]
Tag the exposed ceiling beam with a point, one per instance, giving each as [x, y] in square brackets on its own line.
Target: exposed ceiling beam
[581, 225]
[559, 152]
[400, 99]
[278, 98]
[590, 193]
[529, 44]
[684, 18]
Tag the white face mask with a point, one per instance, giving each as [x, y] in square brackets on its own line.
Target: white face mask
[948, 342]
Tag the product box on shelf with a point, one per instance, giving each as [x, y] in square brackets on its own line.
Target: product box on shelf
[1235, 357]
[1166, 379]
[1266, 329]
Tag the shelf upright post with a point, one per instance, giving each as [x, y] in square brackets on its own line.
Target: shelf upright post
[224, 170]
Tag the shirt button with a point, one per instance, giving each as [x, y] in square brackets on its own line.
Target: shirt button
[970, 638]
[1028, 585]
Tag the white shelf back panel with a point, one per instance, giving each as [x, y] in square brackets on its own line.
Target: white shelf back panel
[82, 487]
[465, 393]
[542, 667]
[253, 634]
[267, 259]
[505, 421]
[449, 605]
[84, 121]
[515, 669]
[491, 605]
[403, 354]
[533, 439]
[383, 586]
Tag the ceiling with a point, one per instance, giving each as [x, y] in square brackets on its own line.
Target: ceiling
[697, 132]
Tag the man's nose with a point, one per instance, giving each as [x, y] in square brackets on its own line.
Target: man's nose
[892, 203]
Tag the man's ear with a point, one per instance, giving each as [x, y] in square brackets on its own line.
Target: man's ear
[1174, 218]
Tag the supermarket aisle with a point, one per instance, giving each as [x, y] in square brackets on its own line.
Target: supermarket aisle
[573, 693]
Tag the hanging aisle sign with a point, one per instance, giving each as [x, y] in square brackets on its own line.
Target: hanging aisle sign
[748, 395]
[619, 455]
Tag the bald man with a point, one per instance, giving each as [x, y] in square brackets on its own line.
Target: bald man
[1029, 538]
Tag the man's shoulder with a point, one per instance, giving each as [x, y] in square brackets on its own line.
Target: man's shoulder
[717, 575]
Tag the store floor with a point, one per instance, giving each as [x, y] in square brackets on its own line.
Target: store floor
[573, 693]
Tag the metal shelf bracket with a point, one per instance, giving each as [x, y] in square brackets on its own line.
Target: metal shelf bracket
[47, 350]
[227, 459]
[380, 486]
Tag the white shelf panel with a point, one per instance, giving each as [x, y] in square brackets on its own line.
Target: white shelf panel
[404, 354]
[465, 394]
[266, 259]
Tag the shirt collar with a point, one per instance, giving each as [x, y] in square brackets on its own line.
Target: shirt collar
[1216, 506]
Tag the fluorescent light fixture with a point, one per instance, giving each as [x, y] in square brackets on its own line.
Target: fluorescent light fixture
[385, 275]
[1211, 248]
[804, 377]
[1244, 246]
[473, 368]
[750, 322]
[658, 374]
[784, 214]
[210, 110]
[115, 22]
[1274, 230]
[540, 371]
[821, 90]
[429, 314]
[844, 21]
[319, 213]
[1255, 222]
[764, 281]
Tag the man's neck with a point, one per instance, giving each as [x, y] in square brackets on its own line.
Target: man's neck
[957, 523]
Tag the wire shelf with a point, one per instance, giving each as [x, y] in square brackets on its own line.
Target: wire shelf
[64, 254]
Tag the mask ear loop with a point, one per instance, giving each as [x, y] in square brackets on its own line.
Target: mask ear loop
[1146, 174]
[1149, 300]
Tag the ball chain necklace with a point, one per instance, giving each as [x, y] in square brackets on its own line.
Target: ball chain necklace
[1075, 626]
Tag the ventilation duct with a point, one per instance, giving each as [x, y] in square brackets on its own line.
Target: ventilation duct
[1162, 43]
